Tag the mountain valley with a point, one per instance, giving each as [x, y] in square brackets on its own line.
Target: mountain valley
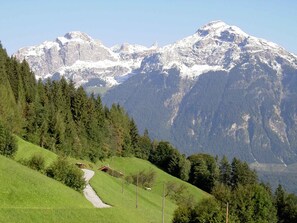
[218, 91]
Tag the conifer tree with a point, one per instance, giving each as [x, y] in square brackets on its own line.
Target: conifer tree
[134, 135]
[144, 145]
[10, 114]
[8, 146]
[242, 174]
[28, 80]
[204, 171]
[225, 171]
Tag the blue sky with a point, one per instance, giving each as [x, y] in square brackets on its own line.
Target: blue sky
[30, 22]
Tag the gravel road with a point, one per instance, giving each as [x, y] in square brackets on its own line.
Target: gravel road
[89, 193]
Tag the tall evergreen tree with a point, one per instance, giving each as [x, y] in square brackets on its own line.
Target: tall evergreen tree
[10, 114]
[280, 203]
[242, 174]
[204, 171]
[8, 145]
[28, 80]
[225, 171]
[134, 136]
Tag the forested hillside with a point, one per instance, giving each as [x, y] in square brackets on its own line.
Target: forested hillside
[60, 117]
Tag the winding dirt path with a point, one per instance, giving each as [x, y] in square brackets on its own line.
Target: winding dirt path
[89, 192]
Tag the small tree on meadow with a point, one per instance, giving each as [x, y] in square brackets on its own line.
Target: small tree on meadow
[67, 173]
[36, 162]
[8, 145]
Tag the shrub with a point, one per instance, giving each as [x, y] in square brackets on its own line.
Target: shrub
[74, 178]
[182, 214]
[67, 173]
[114, 173]
[36, 162]
[145, 179]
[8, 145]
[129, 179]
[207, 210]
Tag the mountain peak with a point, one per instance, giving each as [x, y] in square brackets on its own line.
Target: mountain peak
[217, 27]
[77, 35]
[215, 24]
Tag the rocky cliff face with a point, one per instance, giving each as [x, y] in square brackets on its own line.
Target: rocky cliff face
[86, 61]
[219, 91]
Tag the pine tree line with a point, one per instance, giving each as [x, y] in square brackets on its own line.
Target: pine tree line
[64, 119]
[235, 187]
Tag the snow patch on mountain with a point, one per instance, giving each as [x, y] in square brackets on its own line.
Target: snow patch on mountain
[78, 57]
[112, 72]
[128, 48]
[193, 71]
[215, 46]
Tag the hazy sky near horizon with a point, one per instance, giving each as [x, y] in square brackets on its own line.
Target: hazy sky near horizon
[26, 23]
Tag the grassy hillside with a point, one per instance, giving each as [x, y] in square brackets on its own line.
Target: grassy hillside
[22, 187]
[26, 150]
[28, 196]
[132, 165]
[149, 202]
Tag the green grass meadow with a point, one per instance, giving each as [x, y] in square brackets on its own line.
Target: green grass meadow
[29, 196]
[26, 150]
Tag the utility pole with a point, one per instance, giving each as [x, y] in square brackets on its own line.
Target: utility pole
[227, 213]
[137, 192]
[123, 179]
[122, 184]
[163, 204]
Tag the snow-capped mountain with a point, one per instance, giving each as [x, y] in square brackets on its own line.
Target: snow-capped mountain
[86, 61]
[219, 91]
[215, 46]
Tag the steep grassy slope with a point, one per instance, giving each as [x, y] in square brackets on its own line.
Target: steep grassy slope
[149, 202]
[26, 150]
[22, 187]
[133, 165]
[28, 196]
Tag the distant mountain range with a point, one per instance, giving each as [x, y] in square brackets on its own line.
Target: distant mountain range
[219, 91]
[86, 61]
